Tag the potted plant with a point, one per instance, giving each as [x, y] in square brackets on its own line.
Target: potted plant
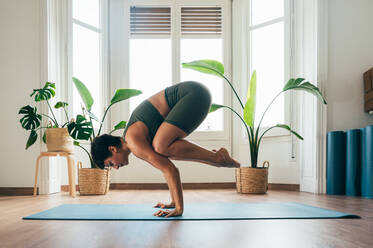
[56, 135]
[252, 179]
[93, 180]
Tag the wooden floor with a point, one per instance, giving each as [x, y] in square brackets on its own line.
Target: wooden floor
[15, 232]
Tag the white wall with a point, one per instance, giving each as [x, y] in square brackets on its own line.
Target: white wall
[19, 74]
[350, 53]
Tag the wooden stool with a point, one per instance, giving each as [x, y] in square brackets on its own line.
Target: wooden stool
[70, 168]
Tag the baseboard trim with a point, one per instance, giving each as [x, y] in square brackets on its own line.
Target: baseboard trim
[287, 187]
[157, 186]
[19, 191]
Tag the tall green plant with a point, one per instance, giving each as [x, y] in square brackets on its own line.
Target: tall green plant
[31, 119]
[82, 127]
[216, 68]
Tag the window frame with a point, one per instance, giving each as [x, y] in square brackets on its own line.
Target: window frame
[176, 36]
[115, 78]
[103, 60]
[288, 64]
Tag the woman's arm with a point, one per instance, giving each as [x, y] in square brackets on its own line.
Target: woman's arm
[141, 148]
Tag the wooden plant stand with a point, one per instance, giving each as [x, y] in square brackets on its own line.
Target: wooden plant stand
[70, 168]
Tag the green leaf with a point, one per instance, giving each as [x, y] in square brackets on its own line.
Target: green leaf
[123, 94]
[292, 83]
[212, 67]
[45, 137]
[80, 129]
[289, 129]
[296, 84]
[76, 143]
[249, 110]
[120, 125]
[61, 105]
[45, 93]
[84, 93]
[31, 139]
[31, 119]
[215, 107]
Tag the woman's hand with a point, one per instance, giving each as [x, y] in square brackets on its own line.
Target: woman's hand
[168, 213]
[162, 205]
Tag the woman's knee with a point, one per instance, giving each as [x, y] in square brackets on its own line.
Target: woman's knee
[160, 148]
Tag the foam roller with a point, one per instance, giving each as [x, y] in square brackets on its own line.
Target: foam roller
[336, 163]
[353, 162]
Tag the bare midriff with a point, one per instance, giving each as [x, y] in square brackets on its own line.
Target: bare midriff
[158, 100]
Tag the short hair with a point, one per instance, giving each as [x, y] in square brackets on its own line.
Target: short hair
[100, 148]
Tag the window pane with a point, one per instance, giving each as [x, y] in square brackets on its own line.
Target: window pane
[87, 11]
[195, 49]
[86, 66]
[268, 60]
[150, 67]
[266, 10]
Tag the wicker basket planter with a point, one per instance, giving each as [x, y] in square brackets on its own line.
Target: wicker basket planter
[59, 140]
[252, 180]
[93, 181]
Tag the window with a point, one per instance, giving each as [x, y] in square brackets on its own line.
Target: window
[161, 38]
[268, 57]
[150, 59]
[86, 46]
[201, 38]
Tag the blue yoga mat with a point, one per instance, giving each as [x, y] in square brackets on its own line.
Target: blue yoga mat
[193, 211]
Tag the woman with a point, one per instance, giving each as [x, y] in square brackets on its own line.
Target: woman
[155, 133]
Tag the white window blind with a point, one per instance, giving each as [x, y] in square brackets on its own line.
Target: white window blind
[150, 20]
[201, 20]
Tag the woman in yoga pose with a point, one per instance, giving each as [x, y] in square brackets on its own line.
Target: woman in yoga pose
[155, 133]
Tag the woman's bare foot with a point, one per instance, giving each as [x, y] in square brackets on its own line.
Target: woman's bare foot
[225, 160]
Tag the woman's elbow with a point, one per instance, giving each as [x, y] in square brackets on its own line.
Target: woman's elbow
[163, 164]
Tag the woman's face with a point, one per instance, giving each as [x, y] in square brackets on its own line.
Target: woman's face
[119, 157]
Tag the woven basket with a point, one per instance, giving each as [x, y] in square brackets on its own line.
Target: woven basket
[252, 180]
[59, 140]
[93, 181]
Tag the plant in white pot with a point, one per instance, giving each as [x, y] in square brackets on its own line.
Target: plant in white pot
[56, 135]
[94, 180]
[252, 179]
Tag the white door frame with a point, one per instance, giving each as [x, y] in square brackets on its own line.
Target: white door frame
[311, 46]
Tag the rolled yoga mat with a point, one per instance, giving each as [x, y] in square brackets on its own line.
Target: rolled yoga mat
[336, 163]
[196, 211]
[353, 162]
[367, 163]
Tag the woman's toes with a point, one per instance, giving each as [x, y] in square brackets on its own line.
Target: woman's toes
[226, 159]
[236, 163]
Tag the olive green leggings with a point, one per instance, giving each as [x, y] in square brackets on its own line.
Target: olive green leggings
[189, 103]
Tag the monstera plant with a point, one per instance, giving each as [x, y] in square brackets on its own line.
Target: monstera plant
[216, 68]
[31, 120]
[82, 127]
